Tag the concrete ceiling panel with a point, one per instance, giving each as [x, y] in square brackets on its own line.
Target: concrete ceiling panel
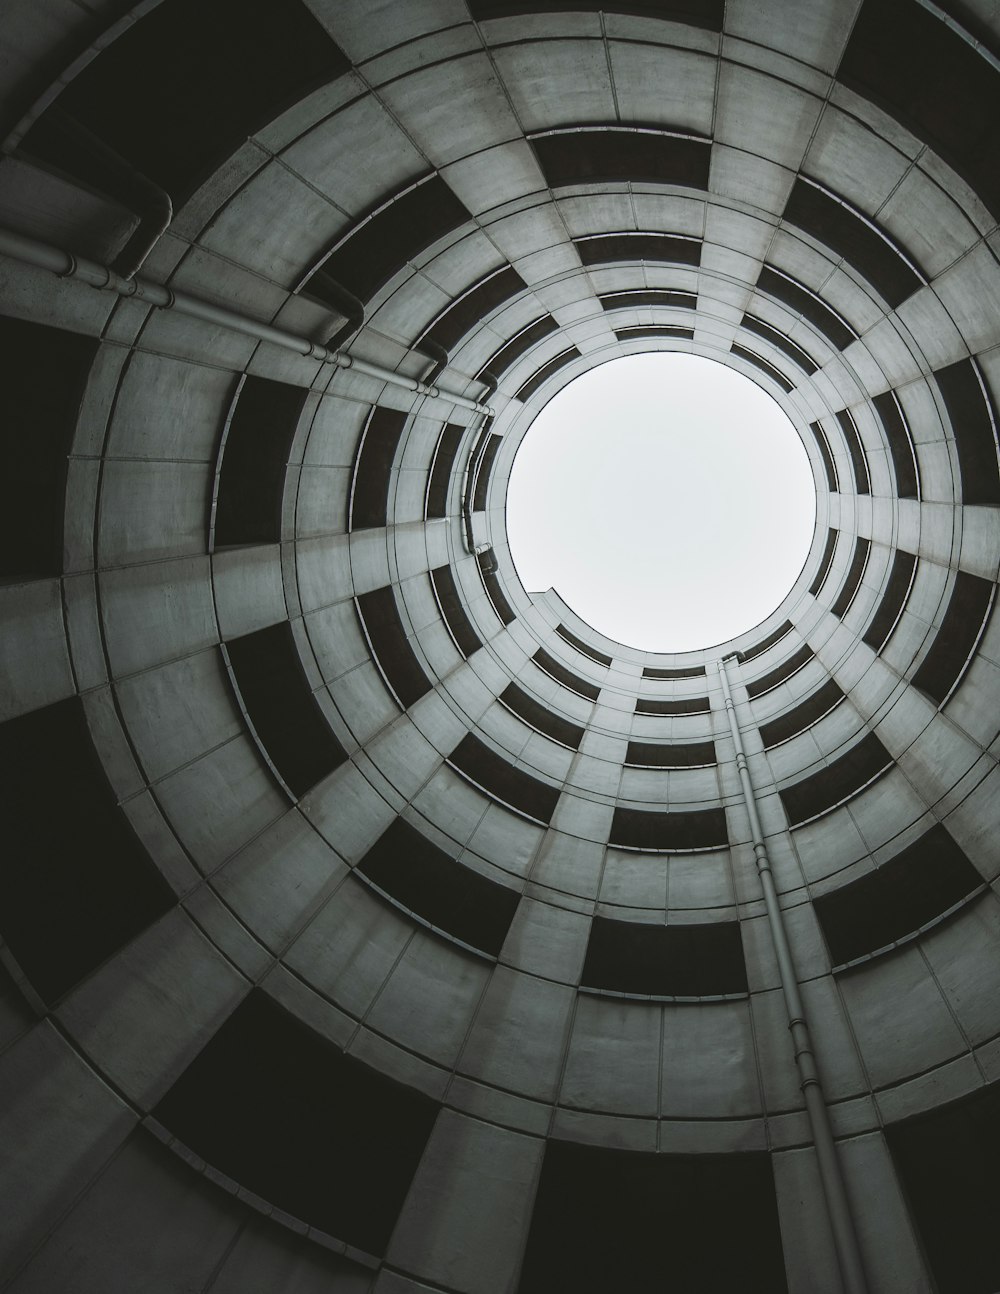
[357, 158]
[557, 82]
[815, 36]
[453, 111]
[850, 157]
[658, 86]
[364, 29]
[496, 179]
[751, 105]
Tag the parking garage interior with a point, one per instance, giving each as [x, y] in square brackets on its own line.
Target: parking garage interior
[370, 924]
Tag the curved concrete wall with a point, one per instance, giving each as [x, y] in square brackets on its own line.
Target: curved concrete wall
[338, 953]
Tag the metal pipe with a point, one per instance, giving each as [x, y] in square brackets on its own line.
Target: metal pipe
[45, 257]
[842, 1227]
[154, 221]
[346, 302]
[476, 448]
[490, 382]
[112, 173]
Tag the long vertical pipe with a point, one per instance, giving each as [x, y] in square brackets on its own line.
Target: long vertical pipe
[476, 451]
[845, 1237]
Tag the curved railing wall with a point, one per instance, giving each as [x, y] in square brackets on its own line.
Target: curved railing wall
[369, 923]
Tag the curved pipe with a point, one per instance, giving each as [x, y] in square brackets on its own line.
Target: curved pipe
[45, 257]
[111, 172]
[153, 224]
[351, 308]
[438, 357]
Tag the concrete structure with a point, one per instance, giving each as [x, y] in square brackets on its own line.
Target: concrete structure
[369, 924]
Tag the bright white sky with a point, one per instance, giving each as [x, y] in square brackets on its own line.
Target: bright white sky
[666, 498]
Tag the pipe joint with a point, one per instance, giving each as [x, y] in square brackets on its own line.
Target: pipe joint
[30, 251]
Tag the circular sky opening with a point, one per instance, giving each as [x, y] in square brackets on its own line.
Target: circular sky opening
[666, 498]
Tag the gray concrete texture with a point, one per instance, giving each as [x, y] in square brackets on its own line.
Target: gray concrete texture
[268, 885]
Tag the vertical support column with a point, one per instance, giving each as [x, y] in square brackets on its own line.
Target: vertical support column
[467, 1215]
[838, 1209]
